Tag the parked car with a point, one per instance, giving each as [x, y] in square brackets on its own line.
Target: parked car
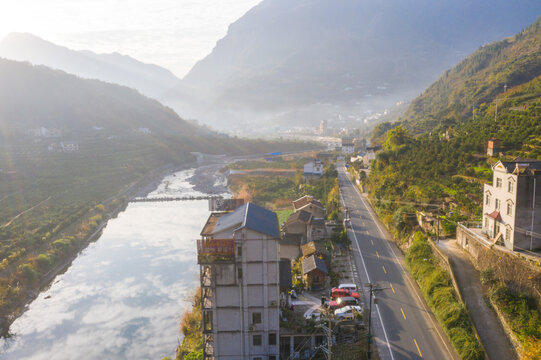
[347, 312]
[351, 287]
[338, 292]
[342, 301]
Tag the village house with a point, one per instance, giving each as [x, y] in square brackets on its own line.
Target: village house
[317, 230]
[313, 248]
[290, 246]
[311, 205]
[313, 168]
[494, 147]
[240, 284]
[298, 223]
[314, 272]
[512, 204]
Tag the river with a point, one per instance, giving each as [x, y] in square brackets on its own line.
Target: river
[123, 296]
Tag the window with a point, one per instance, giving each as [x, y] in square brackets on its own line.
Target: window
[510, 186]
[256, 340]
[497, 204]
[272, 357]
[256, 318]
[239, 250]
[508, 234]
[509, 209]
[272, 339]
[487, 199]
[239, 273]
[498, 182]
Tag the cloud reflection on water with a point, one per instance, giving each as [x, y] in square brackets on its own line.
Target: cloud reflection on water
[122, 298]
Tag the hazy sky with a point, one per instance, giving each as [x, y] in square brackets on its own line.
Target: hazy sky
[171, 33]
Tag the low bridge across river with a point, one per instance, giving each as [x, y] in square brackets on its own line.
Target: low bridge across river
[176, 198]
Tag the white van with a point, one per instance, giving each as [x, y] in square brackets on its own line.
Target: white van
[348, 312]
[350, 287]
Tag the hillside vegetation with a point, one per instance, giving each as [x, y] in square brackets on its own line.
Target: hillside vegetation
[479, 79]
[436, 153]
[435, 158]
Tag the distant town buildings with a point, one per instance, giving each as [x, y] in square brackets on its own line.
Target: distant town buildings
[69, 146]
[323, 127]
[43, 132]
[144, 131]
[348, 145]
[512, 204]
[240, 284]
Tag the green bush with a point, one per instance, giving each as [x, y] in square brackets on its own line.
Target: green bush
[440, 295]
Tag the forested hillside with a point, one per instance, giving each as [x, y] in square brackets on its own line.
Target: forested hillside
[437, 153]
[480, 79]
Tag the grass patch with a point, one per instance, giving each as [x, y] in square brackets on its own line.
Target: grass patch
[283, 215]
[440, 295]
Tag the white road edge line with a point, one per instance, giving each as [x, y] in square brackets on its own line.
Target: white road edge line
[368, 278]
[369, 208]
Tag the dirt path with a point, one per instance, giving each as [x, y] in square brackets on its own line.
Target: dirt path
[486, 322]
[24, 212]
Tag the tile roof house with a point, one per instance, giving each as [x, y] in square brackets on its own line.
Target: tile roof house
[314, 271]
[313, 248]
[311, 205]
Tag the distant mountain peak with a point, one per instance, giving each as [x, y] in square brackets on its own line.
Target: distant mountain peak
[148, 79]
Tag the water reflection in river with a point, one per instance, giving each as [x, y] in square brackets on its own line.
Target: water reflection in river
[122, 298]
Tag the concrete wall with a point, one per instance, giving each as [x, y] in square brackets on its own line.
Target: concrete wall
[290, 252]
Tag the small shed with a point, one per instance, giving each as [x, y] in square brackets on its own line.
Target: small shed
[314, 271]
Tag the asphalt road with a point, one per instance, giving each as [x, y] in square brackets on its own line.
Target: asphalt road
[403, 325]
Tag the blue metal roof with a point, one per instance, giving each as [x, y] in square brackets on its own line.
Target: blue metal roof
[251, 216]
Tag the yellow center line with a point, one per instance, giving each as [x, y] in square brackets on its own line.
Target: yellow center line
[392, 288]
[404, 315]
[385, 271]
[417, 345]
[377, 254]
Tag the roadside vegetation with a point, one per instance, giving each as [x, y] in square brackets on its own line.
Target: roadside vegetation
[439, 293]
[520, 312]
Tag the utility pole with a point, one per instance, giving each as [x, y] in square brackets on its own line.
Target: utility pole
[372, 288]
[533, 211]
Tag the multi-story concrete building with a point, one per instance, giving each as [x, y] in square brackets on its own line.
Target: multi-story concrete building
[239, 270]
[512, 204]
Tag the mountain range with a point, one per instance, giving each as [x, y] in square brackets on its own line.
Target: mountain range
[37, 96]
[348, 54]
[150, 80]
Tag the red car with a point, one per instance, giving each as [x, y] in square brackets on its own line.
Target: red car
[343, 301]
[338, 293]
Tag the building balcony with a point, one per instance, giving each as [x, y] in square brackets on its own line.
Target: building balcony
[215, 250]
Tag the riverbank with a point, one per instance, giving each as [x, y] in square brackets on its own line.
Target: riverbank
[140, 188]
